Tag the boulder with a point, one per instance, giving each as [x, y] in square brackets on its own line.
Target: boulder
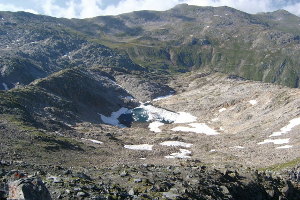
[28, 189]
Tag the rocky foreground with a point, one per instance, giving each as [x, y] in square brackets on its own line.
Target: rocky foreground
[21, 180]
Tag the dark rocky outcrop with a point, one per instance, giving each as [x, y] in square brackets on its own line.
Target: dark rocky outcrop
[28, 189]
[152, 182]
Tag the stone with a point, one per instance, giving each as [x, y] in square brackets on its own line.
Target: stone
[170, 195]
[67, 172]
[28, 189]
[123, 174]
[271, 193]
[137, 180]
[82, 194]
[77, 189]
[131, 192]
[83, 176]
[67, 191]
[2, 172]
[224, 189]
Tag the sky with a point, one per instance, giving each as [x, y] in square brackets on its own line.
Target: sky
[92, 8]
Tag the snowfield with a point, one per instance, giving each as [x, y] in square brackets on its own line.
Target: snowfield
[285, 147]
[293, 123]
[154, 126]
[162, 97]
[141, 147]
[159, 114]
[113, 119]
[253, 102]
[184, 153]
[276, 141]
[197, 128]
[237, 147]
[176, 144]
[222, 110]
[92, 140]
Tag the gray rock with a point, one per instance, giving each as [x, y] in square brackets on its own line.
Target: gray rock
[82, 194]
[170, 195]
[123, 174]
[77, 189]
[271, 193]
[67, 191]
[137, 180]
[131, 192]
[83, 176]
[224, 189]
[28, 189]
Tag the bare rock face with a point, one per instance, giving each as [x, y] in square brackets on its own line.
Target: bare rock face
[28, 189]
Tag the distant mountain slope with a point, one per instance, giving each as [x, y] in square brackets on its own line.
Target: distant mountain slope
[257, 47]
[33, 47]
[69, 96]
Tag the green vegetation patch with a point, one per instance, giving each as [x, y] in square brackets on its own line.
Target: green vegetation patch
[281, 166]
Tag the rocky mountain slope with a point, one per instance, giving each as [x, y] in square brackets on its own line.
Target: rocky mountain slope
[179, 81]
[258, 47]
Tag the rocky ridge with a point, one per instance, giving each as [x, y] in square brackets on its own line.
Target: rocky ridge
[150, 182]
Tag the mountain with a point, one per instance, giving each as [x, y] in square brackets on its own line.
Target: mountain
[258, 47]
[188, 103]
[186, 38]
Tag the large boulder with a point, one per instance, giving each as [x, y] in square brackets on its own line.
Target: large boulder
[28, 189]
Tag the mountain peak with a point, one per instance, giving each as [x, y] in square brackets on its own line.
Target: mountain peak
[278, 13]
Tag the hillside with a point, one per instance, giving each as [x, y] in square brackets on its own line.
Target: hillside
[188, 103]
[259, 47]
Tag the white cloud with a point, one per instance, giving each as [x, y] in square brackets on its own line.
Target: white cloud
[92, 8]
[132, 5]
[51, 8]
[10, 7]
[295, 9]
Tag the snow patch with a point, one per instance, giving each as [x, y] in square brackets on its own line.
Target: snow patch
[94, 141]
[197, 128]
[222, 110]
[184, 153]
[162, 97]
[287, 128]
[154, 126]
[176, 144]
[159, 114]
[237, 147]
[285, 147]
[215, 119]
[5, 86]
[141, 147]
[253, 102]
[276, 141]
[128, 98]
[113, 119]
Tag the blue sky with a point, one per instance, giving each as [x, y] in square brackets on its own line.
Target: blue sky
[92, 8]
